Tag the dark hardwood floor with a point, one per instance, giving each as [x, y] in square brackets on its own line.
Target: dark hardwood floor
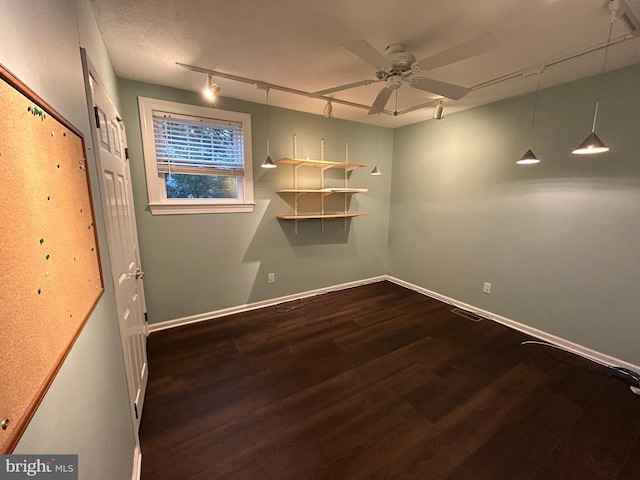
[378, 382]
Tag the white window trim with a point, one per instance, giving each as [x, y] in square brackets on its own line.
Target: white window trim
[156, 188]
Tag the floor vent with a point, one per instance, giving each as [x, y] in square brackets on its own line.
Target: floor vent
[468, 315]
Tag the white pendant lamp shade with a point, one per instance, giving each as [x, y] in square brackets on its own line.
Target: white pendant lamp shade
[528, 158]
[268, 163]
[591, 144]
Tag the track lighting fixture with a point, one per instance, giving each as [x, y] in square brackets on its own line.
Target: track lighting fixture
[529, 158]
[268, 162]
[592, 144]
[438, 112]
[211, 89]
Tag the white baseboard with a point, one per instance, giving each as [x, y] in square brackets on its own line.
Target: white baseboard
[137, 463]
[533, 332]
[201, 317]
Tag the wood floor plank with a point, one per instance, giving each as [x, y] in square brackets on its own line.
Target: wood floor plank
[530, 436]
[376, 382]
[458, 435]
[482, 368]
[601, 439]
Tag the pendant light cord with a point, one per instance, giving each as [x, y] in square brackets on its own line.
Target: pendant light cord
[377, 132]
[535, 108]
[267, 95]
[604, 66]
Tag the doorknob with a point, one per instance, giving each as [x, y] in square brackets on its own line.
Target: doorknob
[139, 273]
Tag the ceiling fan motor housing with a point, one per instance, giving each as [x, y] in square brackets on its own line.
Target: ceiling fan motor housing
[398, 58]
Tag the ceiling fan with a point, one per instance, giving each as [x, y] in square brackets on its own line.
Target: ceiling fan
[397, 66]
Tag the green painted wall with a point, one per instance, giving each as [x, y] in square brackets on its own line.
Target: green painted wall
[202, 263]
[559, 241]
[86, 410]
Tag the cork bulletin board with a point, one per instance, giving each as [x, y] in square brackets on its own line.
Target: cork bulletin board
[50, 273]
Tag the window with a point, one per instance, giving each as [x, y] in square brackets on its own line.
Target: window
[197, 159]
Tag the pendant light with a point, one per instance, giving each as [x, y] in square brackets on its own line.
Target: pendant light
[376, 171]
[593, 144]
[529, 158]
[268, 163]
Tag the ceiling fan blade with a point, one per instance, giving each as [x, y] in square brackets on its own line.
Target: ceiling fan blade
[449, 90]
[476, 46]
[380, 102]
[344, 87]
[366, 52]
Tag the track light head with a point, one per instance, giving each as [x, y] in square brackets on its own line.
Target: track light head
[211, 89]
[438, 112]
[328, 110]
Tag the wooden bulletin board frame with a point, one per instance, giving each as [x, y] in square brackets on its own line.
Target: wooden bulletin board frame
[50, 271]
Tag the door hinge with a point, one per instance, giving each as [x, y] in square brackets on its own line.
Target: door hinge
[135, 409]
[95, 111]
[126, 153]
[146, 318]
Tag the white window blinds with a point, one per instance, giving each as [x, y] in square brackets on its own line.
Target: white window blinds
[200, 146]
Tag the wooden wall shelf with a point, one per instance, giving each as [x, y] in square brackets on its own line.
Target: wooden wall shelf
[320, 163]
[320, 216]
[323, 191]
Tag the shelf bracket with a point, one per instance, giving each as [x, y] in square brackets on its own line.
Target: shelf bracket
[346, 182]
[322, 203]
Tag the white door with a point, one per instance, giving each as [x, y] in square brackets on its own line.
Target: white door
[122, 237]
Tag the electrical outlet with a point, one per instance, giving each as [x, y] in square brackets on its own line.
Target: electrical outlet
[271, 278]
[486, 288]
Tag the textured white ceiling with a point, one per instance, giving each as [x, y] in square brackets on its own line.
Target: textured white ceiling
[298, 44]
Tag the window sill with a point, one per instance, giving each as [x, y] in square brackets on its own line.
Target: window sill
[193, 209]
